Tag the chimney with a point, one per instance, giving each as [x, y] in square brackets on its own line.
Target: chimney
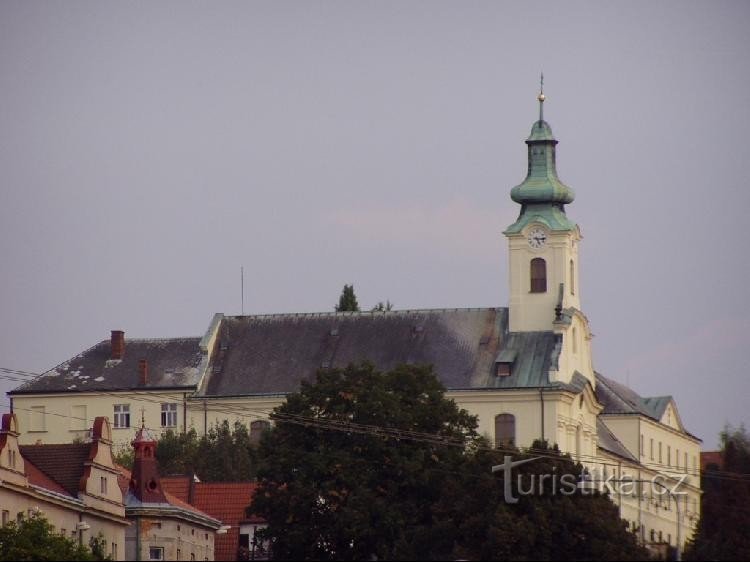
[118, 344]
[142, 372]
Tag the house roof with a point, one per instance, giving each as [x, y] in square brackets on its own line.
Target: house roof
[123, 481]
[608, 442]
[172, 363]
[225, 501]
[63, 464]
[619, 399]
[39, 479]
[273, 354]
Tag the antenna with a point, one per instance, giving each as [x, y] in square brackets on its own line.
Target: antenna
[242, 288]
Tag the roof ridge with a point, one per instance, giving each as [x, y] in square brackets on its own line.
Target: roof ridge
[326, 314]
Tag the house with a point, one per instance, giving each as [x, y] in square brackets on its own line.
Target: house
[74, 485]
[164, 527]
[227, 502]
[525, 370]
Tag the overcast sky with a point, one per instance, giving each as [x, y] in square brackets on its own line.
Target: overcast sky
[149, 149]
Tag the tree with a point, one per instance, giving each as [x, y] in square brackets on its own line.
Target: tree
[382, 306]
[328, 494]
[34, 538]
[725, 516]
[224, 454]
[364, 464]
[555, 522]
[347, 300]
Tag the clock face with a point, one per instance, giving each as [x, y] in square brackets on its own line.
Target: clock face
[537, 237]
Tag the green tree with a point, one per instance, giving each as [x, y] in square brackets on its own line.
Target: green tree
[364, 464]
[555, 522]
[329, 494]
[347, 300]
[722, 532]
[382, 306]
[224, 454]
[34, 538]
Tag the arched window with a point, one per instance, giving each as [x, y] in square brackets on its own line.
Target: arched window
[258, 428]
[572, 278]
[505, 430]
[538, 276]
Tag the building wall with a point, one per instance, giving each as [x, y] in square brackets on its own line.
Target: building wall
[649, 510]
[65, 517]
[179, 539]
[645, 438]
[60, 423]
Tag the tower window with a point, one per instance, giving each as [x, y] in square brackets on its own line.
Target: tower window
[538, 275]
[505, 430]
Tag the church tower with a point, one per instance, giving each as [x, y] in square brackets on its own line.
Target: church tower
[144, 481]
[543, 254]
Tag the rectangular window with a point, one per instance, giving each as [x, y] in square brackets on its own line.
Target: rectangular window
[12, 459]
[669, 455]
[38, 419]
[114, 551]
[78, 420]
[651, 446]
[660, 461]
[122, 415]
[103, 485]
[6, 517]
[686, 466]
[178, 554]
[169, 415]
[643, 446]
[156, 553]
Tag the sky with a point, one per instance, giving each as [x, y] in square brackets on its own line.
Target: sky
[149, 150]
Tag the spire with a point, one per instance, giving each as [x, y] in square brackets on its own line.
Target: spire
[542, 193]
[540, 97]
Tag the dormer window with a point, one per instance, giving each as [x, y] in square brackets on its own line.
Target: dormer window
[504, 363]
[538, 275]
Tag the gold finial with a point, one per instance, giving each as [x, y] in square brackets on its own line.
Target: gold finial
[541, 97]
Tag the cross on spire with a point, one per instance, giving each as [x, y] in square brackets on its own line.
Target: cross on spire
[540, 97]
[143, 418]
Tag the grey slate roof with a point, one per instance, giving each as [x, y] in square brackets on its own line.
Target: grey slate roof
[610, 443]
[273, 354]
[619, 399]
[172, 363]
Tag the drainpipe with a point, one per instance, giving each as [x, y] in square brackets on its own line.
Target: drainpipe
[137, 538]
[184, 412]
[541, 399]
[205, 418]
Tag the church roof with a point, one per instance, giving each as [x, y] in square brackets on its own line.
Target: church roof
[273, 354]
[172, 363]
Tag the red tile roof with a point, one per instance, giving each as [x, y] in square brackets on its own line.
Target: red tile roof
[123, 480]
[63, 464]
[178, 486]
[225, 501]
[37, 478]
